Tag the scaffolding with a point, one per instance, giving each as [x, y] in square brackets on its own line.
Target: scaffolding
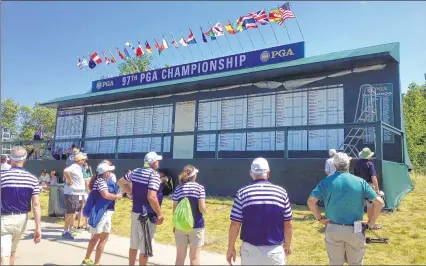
[5, 136]
[366, 111]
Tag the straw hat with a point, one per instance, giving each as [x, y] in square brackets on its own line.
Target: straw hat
[366, 153]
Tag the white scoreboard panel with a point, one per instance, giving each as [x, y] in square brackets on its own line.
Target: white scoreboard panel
[313, 106]
[69, 124]
[125, 122]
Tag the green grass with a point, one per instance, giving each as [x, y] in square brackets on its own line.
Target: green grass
[406, 229]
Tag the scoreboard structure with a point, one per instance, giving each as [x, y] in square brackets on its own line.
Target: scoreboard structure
[275, 103]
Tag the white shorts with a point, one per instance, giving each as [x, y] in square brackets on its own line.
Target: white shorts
[262, 255]
[137, 235]
[104, 225]
[12, 228]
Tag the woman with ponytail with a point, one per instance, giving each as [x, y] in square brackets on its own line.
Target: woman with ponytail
[196, 195]
[99, 209]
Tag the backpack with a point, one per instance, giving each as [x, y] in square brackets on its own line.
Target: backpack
[182, 218]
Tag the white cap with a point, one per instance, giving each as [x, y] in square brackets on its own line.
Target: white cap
[103, 167]
[193, 172]
[332, 152]
[341, 158]
[151, 157]
[259, 166]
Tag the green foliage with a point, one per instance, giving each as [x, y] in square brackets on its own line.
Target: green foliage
[135, 65]
[31, 118]
[414, 104]
[9, 114]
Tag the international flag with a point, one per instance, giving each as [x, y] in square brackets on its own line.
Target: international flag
[275, 16]
[147, 47]
[211, 34]
[230, 29]
[183, 42]
[175, 44]
[92, 64]
[218, 29]
[191, 38]
[82, 63]
[120, 54]
[139, 51]
[260, 16]
[127, 53]
[250, 23]
[240, 24]
[95, 57]
[203, 35]
[107, 61]
[113, 60]
[286, 12]
[164, 45]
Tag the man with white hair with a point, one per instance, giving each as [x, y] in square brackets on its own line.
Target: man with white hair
[263, 213]
[343, 195]
[4, 162]
[19, 192]
[145, 183]
[329, 165]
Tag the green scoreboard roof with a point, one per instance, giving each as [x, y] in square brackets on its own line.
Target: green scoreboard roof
[342, 60]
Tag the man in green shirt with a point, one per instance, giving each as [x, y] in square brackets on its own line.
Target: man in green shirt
[343, 195]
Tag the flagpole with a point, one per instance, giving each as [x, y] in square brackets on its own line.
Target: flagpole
[173, 37]
[208, 45]
[173, 54]
[288, 34]
[261, 35]
[211, 28]
[232, 50]
[235, 33]
[198, 45]
[266, 10]
[143, 54]
[161, 62]
[112, 56]
[189, 48]
[154, 55]
[303, 38]
[248, 34]
[104, 59]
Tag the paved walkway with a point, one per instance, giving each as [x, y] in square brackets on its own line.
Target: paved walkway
[57, 251]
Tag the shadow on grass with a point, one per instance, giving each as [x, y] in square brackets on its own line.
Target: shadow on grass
[50, 219]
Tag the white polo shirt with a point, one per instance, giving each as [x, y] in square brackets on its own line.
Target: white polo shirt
[78, 186]
[330, 167]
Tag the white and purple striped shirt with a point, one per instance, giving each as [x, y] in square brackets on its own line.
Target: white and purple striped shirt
[262, 208]
[17, 188]
[194, 192]
[143, 179]
[100, 184]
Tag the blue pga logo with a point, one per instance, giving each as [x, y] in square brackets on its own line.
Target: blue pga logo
[265, 56]
[101, 84]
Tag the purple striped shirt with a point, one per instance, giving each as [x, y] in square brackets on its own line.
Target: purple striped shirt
[194, 192]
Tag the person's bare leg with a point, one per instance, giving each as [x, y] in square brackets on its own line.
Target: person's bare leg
[142, 259]
[100, 247]
[68, 221]
[92, 243]
[181, 251]
[80, 215]
[194, 255]
[132, 256]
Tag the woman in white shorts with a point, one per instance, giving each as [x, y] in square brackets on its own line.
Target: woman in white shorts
[103, 192]
[196, 195]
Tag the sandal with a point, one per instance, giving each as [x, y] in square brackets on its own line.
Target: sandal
[376, 227]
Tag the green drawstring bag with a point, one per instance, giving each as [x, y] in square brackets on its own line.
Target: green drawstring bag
[182, 218]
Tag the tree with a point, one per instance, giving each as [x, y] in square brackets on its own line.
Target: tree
[135, 65]
[32, 118]
[9, 114]
[414, 104]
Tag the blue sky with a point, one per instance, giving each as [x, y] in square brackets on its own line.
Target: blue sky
[40, 41]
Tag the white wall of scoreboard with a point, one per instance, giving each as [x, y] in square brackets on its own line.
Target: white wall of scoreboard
[313, 106]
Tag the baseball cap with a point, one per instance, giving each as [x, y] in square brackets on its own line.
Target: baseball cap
[151, 157]
[332, 152]
[341, 158]
[259, 166]
[103, 167]
[80, 156]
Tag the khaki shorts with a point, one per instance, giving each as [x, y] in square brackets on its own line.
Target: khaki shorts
[12, 228]
[343, 245]
[262, 255]
[104, 225]
[137, 235]
[37, 146]
[194, 238]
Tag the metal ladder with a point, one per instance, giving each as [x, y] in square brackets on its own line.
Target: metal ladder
[368, 113]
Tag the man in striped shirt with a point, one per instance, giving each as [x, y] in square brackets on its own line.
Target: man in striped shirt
[263, 212]
[19, 189]
[145, 187]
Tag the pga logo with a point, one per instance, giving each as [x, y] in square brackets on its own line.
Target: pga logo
[101, 84]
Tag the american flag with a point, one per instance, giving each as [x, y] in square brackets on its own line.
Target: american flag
[286, 12]
[260, 17]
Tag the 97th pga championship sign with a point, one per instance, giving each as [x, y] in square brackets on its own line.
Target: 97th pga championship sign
[273, 55]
